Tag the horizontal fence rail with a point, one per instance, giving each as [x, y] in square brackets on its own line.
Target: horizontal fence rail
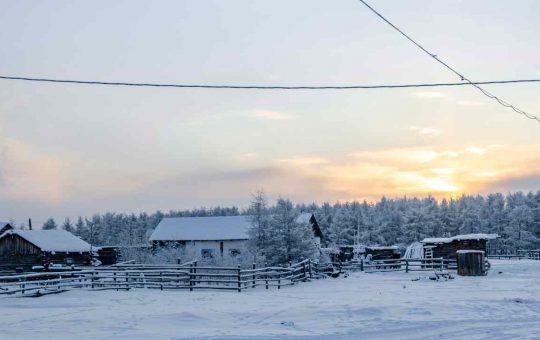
[406, 265]
[521, 255]
[184, 276]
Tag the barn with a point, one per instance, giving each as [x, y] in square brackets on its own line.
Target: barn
[213, 236]
[27, 248]
[447, 247]
[204, 237]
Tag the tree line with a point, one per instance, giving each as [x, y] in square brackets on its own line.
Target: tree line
[389, 221]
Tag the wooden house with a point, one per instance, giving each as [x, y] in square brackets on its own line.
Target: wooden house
[448, 247]
[203, 237]
[213, 236]
[27, 248]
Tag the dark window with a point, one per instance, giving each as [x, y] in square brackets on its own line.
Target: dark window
[234, 252]
[207, 253]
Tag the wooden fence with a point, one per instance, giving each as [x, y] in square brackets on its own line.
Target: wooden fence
[193, 276]
[185, 276]
[521, 255]
[406, 265]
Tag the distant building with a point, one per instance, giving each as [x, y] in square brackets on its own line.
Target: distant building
[309, 218]
[27, 248]
[214, 236]
[447, 247]
[204, 237]
[5, 226]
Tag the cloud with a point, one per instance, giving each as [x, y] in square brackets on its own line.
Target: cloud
[26, 173]
[271, 115]
[429, 95]
[476, 150]
[426, 131]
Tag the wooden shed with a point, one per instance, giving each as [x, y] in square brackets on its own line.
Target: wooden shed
[382, 253]
[27, 248]
[448, 247]
[471, 263]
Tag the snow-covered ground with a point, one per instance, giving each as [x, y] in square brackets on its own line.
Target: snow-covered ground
[503, 305]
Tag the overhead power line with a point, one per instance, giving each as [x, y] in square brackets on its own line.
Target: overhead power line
[460, 75]
[269, 87]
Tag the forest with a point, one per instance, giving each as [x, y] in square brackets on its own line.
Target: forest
[389, 221]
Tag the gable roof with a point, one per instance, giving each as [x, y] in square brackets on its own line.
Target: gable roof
[307, 217]
[202, 228]
[460, 238]
[51, 240]
[5, 226]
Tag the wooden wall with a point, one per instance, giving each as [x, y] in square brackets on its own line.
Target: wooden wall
[448, 250]
[15, 251]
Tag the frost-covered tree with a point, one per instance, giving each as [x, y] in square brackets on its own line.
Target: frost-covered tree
[287, 239]
[81, 230]
[49, 224]
[260, 221]
[67, 226]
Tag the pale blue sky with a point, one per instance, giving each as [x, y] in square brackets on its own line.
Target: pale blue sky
[70, 150]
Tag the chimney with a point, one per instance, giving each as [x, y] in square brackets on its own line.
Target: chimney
[30, 223]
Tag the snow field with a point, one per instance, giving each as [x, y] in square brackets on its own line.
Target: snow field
[363, 305]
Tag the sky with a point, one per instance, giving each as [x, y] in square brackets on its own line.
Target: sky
[70, 150]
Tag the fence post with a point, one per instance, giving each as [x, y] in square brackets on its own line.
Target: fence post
[191, 277]
[406, 265]
[254, 267]
[161, 280]
[361, 265]
[309, 267]
[266, 273]
[304, 276]
[239, 280]
[92, 279]
[59, 281]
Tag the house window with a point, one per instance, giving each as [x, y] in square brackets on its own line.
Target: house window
[234, 252]
[69, 260]
[207, 253]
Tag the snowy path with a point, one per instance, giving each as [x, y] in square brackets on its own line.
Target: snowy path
[369, 306]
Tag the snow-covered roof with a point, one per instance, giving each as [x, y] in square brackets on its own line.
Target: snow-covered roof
[460, 238]
[51, 240]
[202, 228]
[3, 224]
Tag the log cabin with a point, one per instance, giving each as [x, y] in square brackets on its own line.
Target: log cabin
[28, 248]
